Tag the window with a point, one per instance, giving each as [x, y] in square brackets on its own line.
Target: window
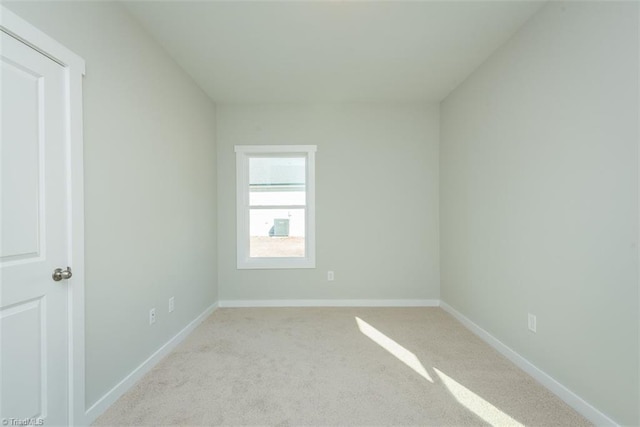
[275, 206]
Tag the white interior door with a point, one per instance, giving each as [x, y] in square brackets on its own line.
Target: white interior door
[34, 325]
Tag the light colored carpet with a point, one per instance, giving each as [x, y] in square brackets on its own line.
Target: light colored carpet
[337, 366]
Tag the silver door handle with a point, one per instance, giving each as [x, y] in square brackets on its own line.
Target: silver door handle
[60, 274]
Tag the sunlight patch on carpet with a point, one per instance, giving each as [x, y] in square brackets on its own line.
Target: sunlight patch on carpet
[475, 403]
[401, 353]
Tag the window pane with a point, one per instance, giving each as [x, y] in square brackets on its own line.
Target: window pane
[281, 171]
[276, 233]
[277, 181]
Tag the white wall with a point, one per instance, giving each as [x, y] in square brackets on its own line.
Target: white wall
[150, 187]
[377, 200]
[539, 199]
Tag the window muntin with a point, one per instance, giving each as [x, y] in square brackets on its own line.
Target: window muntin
[276, 192]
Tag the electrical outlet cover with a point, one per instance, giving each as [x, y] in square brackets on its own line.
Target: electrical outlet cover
[532, 322]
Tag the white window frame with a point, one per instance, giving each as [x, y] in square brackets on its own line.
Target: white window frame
[243, 154]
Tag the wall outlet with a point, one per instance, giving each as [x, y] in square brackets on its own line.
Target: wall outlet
[172, 304]
[532, 322]
[152, 316]
[330, 276]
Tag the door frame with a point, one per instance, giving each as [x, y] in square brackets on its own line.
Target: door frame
[74, 70]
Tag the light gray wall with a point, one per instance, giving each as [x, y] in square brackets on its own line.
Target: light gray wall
[539, 199]
[150, 190]
[377, 200]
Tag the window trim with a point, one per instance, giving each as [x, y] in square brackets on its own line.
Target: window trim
[244, 261]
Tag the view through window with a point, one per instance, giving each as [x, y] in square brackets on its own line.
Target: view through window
[277, 204]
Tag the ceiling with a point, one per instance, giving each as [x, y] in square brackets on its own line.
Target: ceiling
[330, 51]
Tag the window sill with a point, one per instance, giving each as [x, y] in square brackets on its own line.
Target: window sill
[275, 263]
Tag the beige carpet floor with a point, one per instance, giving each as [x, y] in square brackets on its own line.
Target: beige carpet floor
[337, 366]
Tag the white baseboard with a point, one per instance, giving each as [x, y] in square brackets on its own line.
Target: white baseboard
[572, 399]
[332, 303]
[114, 394]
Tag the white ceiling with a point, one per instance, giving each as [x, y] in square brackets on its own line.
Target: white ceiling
[330, 51]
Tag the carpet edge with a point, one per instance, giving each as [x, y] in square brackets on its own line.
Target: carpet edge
[570, 398]
[110, 397]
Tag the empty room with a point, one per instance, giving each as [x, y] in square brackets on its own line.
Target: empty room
[320, 213]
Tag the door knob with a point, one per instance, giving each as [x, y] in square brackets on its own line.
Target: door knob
[60, 274]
